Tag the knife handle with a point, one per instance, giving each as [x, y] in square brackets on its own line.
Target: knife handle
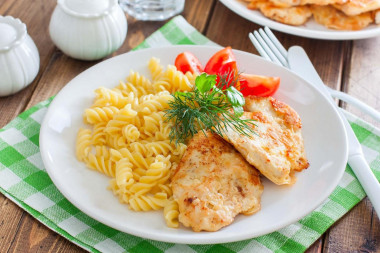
[367, 179]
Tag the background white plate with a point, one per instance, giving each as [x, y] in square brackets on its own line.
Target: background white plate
[310, 29]
[325, 142]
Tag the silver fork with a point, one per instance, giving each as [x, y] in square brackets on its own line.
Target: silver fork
[271, 49]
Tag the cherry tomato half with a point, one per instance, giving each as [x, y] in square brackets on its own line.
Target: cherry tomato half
[186, 61]
[257, 85]
[223, 64]
[229, 73]
[215, 64]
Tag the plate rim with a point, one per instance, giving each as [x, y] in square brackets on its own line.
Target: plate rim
[227, 238]
[330, 34]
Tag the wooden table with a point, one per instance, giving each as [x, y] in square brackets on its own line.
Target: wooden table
[351, 66]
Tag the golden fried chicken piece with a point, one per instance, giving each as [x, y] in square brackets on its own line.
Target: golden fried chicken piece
[285, 3]
[335, 19]
[296, 15]
[356, 7]
[277, 148]
[376, 16]
[213, 183]
[323, 2]
[290, 3]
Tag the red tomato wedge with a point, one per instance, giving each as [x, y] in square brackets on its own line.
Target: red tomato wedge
[229, 72]
[223, 63]
[186, 61]
[216, 63]
[257, 85]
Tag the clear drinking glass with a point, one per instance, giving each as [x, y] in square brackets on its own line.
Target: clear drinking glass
[152, 9]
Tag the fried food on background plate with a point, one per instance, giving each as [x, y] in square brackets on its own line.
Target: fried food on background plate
[277, 150]
[323, 2]
[289, 3]
[295, 15]
[356, 7]
[376, 16]
[333, 14]
[213, 183]
[335, 19]
[285, 3]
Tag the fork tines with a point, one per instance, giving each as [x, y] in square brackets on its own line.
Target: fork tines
[268, 46]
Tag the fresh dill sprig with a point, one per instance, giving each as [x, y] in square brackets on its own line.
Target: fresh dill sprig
[208, 107]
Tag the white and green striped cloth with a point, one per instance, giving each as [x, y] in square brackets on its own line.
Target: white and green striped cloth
[23, 179]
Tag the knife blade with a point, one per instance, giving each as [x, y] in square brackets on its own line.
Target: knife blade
[300, 63]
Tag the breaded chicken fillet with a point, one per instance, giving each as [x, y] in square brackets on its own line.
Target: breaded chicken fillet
[291, 15]
[356, 7]
[336, 19]
[213, 183]
[277, 149]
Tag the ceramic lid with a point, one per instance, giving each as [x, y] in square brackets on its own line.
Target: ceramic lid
[12, 31]
[87, 8]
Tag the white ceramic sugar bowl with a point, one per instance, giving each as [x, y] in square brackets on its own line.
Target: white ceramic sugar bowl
[88, 29]
[19, 58]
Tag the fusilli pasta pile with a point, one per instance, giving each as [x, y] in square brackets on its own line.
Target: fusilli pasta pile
[129, 138]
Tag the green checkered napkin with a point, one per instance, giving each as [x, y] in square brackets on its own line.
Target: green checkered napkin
[23, 179]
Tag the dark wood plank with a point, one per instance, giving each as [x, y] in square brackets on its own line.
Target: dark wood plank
[316, 247]
[358, 231]
[229, 29]
[10, 219]
[35, 237]
[363, 77]
[198, 13]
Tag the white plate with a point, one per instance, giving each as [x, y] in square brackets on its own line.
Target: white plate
[325, 143]
[310, 29]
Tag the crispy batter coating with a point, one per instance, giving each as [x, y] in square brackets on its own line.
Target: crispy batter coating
[356, 7]
[277, 150]
[213, 183]
[290, 3]
[333, 14]
[376, 16]
[295, 15]
[335, 19]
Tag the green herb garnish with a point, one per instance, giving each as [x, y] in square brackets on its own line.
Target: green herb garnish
[208, 107]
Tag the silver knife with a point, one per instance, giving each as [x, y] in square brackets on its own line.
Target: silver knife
[300, 63]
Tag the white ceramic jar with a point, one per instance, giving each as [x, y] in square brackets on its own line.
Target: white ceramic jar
[19, 58]
[88, 29]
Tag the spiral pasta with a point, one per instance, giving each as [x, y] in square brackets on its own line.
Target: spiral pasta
[107, 97]
[83, 145]
[129, 138]
[155, 68]
[99, 114]
[171, 213]
[171, 79]
[101, 161]
[98, 135]
[177, 79]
